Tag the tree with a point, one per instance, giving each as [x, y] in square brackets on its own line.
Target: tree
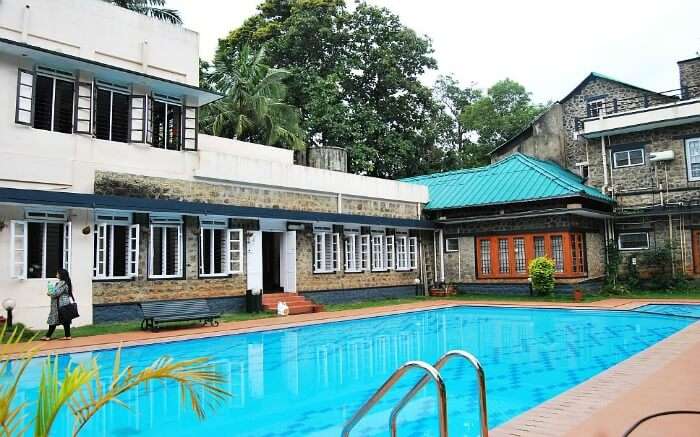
[500, 114]
[82, 389]
[454, 100]
[152, 8]
[354, 74]
[253, 107]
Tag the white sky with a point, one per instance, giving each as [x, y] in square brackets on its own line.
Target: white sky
[547, 45]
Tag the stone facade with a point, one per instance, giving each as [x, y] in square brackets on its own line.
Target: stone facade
[690, 77]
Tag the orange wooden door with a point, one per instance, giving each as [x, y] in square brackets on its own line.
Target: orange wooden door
[696, 252]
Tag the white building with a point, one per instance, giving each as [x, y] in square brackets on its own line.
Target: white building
[102, 171]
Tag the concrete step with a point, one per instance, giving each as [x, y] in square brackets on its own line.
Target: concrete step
[297, 304]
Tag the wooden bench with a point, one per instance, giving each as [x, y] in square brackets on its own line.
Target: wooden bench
[157, 313]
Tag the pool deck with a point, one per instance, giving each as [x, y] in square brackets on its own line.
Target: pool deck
[662, 377]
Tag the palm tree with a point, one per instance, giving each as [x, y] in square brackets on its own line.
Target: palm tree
[83, 393]
[253, 107]
[152, 8]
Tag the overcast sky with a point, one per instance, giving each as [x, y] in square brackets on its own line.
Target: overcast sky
[548, 46]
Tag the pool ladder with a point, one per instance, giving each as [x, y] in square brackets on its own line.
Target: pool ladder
[431, 373]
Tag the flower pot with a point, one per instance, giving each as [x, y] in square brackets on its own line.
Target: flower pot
[578, 295]
[438, 292]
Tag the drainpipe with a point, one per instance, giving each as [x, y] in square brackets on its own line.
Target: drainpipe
[670, 237]
[442, 257]
[605, 165]
[25, 23]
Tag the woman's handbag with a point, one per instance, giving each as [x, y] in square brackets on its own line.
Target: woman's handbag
[66, 313]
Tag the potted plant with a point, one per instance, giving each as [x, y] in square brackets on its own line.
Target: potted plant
[578, 295]
[438, 290]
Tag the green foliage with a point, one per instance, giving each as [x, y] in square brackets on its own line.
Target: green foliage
[612, 263]
[83, 392]
[152, 8]
[253, 107]
[632, 280]
[541, 271]
[659, 262]
[500, 114]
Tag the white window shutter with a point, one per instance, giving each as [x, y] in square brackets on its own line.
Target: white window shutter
[67, 243]
[201, 251]
[364, 250]
[133, 255]
[83, 108]
[319, 249]
[101, 256]
[190, 128]
[413, 252]
[234, 254]
[336, 254]
[18, 249]
[349, 240]
[178, 256]
[149, 120]
[25, 97]
[137, 119]
[389, 244]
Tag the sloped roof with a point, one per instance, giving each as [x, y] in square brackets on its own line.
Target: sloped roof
[518, 178]
[594, 75]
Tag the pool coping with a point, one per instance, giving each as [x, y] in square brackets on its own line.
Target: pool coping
[143, 338]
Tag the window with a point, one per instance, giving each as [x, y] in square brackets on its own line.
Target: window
[539, 247]
[628, 158]
[390, 253]
[451, 244]
[53, 103]
[413, 253]
[212, 252]
[633, 241]
[364, 252]
[165, 254]
[503, 254]
[167, 124]
[353, 253]
[692, 155]
[235, 251]
[403, 255]
[557, 253]
[325, 252]
[577, 257]
[519, 246]
[116, 248]
[39, 249]
[112, 115]
[595, 107]
[378, 250]
[509, 256]
[485, 259]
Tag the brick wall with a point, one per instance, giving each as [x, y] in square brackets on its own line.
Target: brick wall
[689, 71]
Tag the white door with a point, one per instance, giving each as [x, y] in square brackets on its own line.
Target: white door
[288, 261]
[254, 260]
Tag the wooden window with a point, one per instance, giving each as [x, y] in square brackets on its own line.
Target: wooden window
[508, 256]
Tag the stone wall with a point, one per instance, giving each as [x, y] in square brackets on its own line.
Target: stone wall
[542, 223]
[379, 207]
[690, 77]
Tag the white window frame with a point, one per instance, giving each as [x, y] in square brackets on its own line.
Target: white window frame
[364, 252]
[19, 239]
[213, 225]
[178, 273]
[413, 253]
[619, 240]
[353, 253]
[323, 242]
[455, 240]
[403, 263]
[390, 252]
[378, 253]
[105, 223]
[688, 158]
[234, 256]
[615, 153]
[601, 109]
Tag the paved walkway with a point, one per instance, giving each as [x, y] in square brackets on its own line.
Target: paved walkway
[660, 378]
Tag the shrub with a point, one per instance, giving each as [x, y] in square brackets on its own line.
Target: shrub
[542, 274]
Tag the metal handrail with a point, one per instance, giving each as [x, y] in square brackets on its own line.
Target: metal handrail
[431, 373]
[483, 418]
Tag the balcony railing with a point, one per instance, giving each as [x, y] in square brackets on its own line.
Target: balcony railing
[616, 106]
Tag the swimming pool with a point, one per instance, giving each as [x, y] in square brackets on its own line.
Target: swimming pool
[308, 381]
[688, 310]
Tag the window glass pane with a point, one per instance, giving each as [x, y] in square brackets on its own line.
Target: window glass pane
[218, 251]
[621, 159]
[54, 248]
[539, 247]
[519, 246]
[558, 253]
[35, 249]
[158, 124]
[120, 117]
[452, 244]
[693, 154]
[485, 246]
[503, 256]
[172, 252]
[63, 107]
[43, 102]
[206, 251]
[120, 246]
[637, 240]
[636, 157]
[102, 109]
[174, 121]
[157, 250]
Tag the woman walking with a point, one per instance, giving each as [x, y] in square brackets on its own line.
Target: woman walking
[61, 296]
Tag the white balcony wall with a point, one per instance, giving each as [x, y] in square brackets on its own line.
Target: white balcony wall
[101, 32]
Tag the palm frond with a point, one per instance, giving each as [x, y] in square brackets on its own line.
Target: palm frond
[12, 414]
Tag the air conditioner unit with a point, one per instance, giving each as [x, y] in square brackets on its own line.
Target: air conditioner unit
[666, 155]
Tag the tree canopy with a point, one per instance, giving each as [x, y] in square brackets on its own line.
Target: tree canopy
[355, 74]
[152, 8]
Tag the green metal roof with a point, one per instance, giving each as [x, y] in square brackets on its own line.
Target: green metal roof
[518, 178]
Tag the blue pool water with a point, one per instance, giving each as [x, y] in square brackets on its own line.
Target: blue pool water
[308, 381]
[688, 310]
